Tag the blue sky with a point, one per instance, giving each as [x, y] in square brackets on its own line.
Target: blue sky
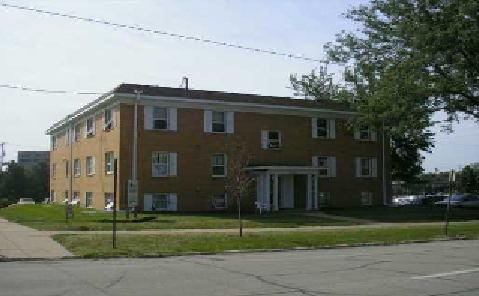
[49, 52]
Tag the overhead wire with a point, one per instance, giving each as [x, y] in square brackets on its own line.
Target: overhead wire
[49, 91]
[161, 32]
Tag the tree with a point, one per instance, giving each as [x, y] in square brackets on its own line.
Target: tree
[39, 178]
[239, 180]
[408, 60]
[469, 180]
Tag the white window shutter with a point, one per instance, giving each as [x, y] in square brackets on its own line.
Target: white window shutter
[332, 129]
[172, 202]
[374, 167]
[314, 127]
[373, 135]
[172, 119]
[315, 161]
[94, 125]
[114, 113]
[264, 139]
[226, 165]
[148, 125]
[230, 122]
[332, 166]
[93, 164]
[356, 135]
[208, 121]
[358, 166]
[85, 131]
[172, 164]
[147, 202]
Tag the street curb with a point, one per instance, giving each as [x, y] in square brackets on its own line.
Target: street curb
[231, 252]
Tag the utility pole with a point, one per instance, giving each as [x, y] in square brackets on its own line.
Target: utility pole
[452, 178]
[2, 154]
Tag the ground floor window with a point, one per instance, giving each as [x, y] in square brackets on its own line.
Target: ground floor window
[52, 196]
[219, 201]
[159, 202]
[108, 199]
[89, 199]
[324, 199]
[65, 196]
[366, 198]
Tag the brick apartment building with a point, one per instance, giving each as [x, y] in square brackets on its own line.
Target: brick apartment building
[302, 155]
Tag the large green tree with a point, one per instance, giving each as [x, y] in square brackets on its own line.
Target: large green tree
[408, 60]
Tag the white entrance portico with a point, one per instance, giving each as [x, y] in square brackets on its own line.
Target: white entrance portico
[275, 187]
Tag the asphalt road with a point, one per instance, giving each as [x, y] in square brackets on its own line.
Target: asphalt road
[443, 268]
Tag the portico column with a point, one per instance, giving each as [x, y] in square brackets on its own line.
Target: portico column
[275, 193]
[315, 191]
[309, 192]
[267, 190]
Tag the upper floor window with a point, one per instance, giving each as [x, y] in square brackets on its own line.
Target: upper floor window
[326, 165]
[53, 142]
[164, 164]
[271, 140]
[160, 118]
[218, 122]
[109, 161]
[366, 167]
[108, 119]
[90, 127]
[90, 165]
[67, 137]
[54, 170]
[76, 133]
[88, 199]
[323, 128]
[76, 167]
[365, 134]
[219, 165]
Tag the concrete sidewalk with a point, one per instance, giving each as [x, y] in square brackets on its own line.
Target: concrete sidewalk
[17, 241]
[254, 230]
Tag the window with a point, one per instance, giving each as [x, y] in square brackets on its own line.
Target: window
[271, 140]
[326, 166]
[54, 170]
[108, 199]
[89, 199]
[109, 161]
[108, 119]
[163, 164]
[324, 199]
[323, 128]
[66, 169]
[218, 122]
[366, 198]
[160, 202]
[54, 142]
[65, 196]
[219, 165]
[160, 164]
[365, 134]
[76, 133]
[90, 165]
[67, 137]
[52, 196]
[90, 127]
[219, 201]
[76, 196]
[76, 167]
[323, 166]
[366, 167]
[160, 118]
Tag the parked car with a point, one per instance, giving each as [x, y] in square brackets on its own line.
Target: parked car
[471, 201]
[456, 200]
[26, 201]
[431, 199]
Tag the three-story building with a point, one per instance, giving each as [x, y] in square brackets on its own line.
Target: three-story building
[302, 154]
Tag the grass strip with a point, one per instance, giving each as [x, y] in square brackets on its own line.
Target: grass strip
[157, 245]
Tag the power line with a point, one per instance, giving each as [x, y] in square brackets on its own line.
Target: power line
[160, 32]
[26, 88]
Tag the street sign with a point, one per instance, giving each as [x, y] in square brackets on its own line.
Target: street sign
[69, 211]
[132, 193]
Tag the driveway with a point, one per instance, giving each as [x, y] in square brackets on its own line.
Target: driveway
[17, 241]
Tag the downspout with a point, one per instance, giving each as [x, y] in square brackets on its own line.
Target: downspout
[384, 167]
[135, 138]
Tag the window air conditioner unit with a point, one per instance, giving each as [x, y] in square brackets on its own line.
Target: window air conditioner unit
[108, 125]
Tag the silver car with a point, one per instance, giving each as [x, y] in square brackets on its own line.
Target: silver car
[471, 201]
[456, 200]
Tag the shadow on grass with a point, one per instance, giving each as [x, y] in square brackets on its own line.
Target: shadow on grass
[140, 220]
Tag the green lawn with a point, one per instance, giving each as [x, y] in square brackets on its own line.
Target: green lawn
[52, 217]
[413, 213]
[136, 245]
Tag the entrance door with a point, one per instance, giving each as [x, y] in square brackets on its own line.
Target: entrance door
[286, 191]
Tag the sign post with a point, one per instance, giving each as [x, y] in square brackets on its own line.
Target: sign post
[132, 194]
[452, 178]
